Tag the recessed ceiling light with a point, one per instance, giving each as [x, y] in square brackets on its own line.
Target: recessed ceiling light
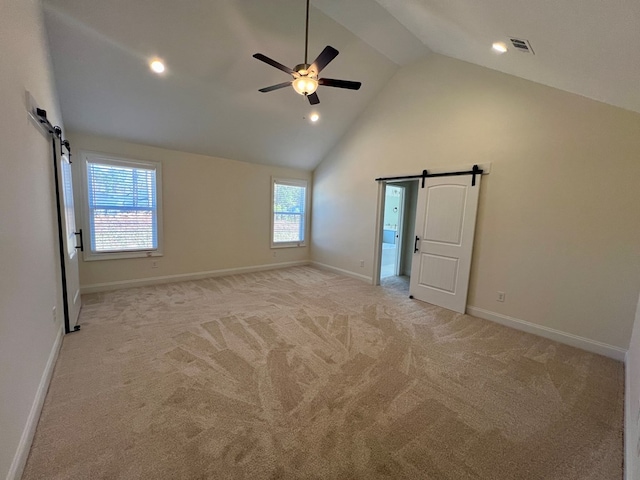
[314, 117]
[157, 66]
[499, 47]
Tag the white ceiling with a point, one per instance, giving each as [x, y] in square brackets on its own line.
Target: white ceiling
[588, 47]
[208, 101]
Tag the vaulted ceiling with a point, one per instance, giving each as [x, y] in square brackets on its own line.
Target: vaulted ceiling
[208, 101]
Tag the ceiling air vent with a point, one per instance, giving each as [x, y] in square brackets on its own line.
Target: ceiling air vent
[522, 45]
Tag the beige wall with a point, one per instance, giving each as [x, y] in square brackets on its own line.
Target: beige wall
[216, 214]
[29, 276]
[558, 222]
[632, 420]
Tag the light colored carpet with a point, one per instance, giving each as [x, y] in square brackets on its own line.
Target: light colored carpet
[399, 283]
[304, 374]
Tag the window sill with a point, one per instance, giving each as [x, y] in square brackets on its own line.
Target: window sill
[91, 257]
[288, 245]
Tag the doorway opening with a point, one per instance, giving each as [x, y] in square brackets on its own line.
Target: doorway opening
[435, 238]
[391, 231]
[397, 225]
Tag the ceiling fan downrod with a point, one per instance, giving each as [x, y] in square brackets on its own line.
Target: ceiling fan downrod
[306, 37]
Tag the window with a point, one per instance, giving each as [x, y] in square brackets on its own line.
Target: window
[123, 207]
[289, 209]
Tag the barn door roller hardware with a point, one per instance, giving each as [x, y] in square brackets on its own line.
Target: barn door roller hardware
[425, 174]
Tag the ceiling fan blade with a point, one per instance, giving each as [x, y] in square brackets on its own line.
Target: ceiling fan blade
[273, 63]
[313, 98]
[275, 87]
[330, 82]
[328, 54]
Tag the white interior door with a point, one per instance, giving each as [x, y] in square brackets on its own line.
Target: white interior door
[70, 241]
[445, 227]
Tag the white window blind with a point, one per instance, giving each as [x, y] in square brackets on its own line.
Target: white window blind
[289, 212]
[123, 207]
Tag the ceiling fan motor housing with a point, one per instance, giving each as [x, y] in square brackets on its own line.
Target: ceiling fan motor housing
[303, 69]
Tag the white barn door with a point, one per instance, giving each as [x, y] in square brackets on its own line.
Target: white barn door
[445, 227]
[70, 241]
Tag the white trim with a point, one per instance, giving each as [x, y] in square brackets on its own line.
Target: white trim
[88, 156]
[22, 452]
[293, 182]
[183, 277]
[400, 228]
[628, 422]
[324, 266]
[377, 241]
[577, 341]
[97, 257]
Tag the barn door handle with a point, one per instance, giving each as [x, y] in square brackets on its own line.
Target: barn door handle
[81, 246]
[415, 245]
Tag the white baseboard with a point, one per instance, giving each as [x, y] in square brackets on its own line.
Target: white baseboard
[324, 266]
[583, 343]
[143, 282]
[22, 452]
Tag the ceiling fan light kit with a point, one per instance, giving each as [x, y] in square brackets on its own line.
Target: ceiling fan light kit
[305, 76]
[305, 84]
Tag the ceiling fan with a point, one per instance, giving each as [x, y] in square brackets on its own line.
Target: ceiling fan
[305, 76]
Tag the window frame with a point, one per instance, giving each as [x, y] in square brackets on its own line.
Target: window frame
[294, 182]
[107, 159]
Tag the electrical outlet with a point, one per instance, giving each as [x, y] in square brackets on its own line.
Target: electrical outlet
[154, 264]
[361, 263]
[500, 297]
[55, 317]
